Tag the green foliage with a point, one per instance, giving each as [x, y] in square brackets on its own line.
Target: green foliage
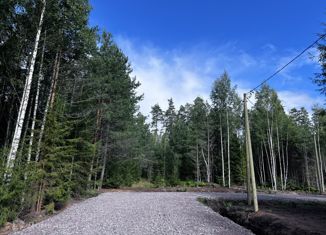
[143, 184]
[90, 193]
[159, 181]
[190, 183]
[49, 209]
[123, 174]
[3, 216]
[94, 135]
[320, 79]
[10, 197]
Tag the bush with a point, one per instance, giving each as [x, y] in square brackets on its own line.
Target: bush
[173, 182]
[122, 174]
[191, 183]
[58, 195]
[143, 184]
[159, 182]
[112, 183]
[293, 186]
[3, 216]
[188, 183]
[49, 209]
[90, 193]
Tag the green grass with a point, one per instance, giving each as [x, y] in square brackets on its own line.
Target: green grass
[143, 184]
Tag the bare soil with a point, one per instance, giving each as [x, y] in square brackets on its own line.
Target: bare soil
[275, 216]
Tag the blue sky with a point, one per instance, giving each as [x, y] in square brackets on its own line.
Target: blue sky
[178, 48]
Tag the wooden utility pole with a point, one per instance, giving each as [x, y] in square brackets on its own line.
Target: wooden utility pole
[250, 164]
[249, 193]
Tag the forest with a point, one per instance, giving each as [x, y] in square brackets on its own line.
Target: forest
[70, 123]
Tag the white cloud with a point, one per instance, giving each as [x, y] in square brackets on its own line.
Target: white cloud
[185, 74]
[163, 76]
[291, 99]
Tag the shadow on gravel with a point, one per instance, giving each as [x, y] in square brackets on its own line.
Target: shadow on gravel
[274, 217]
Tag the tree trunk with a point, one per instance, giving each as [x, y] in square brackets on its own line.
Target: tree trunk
[98, 120]
[40, 78]
[222, 151]
[24, 102]
[8, 132]
[96, 171]
[55, 75]
[71, 168]
[208, 154]
[272, 154]
[104, 162]
[55, 82]
[279, 157]
[268, 163]
[22, 141]
[286, 161]
[320, 162]
[228, 144]
[318, 166]
[260, 165]
[197, 164]
[306, 166]
[207, 166]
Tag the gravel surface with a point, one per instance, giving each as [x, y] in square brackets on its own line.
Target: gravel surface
[139, 213]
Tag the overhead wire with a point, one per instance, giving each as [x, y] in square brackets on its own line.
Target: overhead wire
[284, 66]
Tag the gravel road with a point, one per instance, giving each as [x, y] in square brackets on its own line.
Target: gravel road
[138, 213]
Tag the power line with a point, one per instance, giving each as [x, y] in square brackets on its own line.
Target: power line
[284, 66]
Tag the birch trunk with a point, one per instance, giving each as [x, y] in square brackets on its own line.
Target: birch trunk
[207, 166]
[55, 74]
[317, 165]
[286, 161]
[98, 120]
[263, 164]
[40, 78]
[222, 151]
[260, 166]
[272, 154]
[306, 166]
[279, 157]
[22, 142]
[104, 162]
[268, 163]
[24, 101]
[321, 163]
[197, 164]
[208, 154]
[228, 146]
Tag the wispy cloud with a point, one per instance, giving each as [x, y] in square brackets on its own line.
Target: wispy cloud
[297, 99]
[184, 74]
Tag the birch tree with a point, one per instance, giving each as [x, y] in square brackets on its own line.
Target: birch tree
[39, 80]
[24, 101]
[268, 114]
[226, 112]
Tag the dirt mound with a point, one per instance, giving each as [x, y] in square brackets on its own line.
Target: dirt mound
[275, 217]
